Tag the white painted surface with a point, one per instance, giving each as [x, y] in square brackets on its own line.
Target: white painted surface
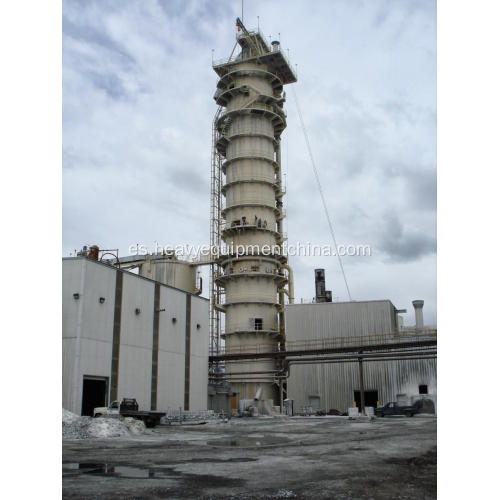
[87, 330]
[199, 355]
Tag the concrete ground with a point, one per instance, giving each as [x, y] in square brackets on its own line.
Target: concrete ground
[281, 457]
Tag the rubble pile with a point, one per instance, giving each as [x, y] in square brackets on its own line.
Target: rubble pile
[76, 427]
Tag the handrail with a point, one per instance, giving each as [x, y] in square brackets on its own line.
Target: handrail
[223, 61]
[260, 200]
[252, 153]
[248, 327]
[258, 105]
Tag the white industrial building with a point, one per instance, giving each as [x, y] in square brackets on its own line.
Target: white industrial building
[125, 335]
[336, 385]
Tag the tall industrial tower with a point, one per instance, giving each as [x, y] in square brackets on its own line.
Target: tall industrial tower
[249, 283]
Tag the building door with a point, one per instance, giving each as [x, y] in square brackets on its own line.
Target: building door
[314, 402]
[234, 403]
[94, 394]
[371, 398]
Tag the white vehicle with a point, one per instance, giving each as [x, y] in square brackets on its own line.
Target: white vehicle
[112, 409]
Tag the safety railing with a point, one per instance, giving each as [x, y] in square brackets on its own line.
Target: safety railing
[222, 61]
[255, 104]
[260, 200]
[228, 60]
[249, 349]
[256, 32]
[231, 225]
[249, 205]
[250, 327]
[267, 179]
[248, 132]
[251, 153]
[249, 270]
[294, 73]
[361, 340]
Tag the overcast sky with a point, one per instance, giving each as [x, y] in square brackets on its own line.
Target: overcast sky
[137, 117]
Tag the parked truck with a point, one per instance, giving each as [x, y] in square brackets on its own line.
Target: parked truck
[393, 408]
[129, 408]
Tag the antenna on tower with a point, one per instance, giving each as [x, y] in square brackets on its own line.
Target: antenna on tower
[258, 24]
[242, 2]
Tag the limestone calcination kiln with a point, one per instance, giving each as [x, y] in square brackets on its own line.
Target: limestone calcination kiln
[253, 278]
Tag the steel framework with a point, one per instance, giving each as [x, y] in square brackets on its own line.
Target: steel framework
[215, 240]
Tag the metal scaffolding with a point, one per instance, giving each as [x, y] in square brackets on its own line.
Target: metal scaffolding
[215, 239]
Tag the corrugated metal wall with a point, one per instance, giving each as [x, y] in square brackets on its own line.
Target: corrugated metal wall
[339, 319]
[335, 383]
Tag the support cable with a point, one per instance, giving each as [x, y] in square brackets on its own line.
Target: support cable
[316, 175]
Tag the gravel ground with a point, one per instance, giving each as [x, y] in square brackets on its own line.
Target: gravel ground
[264, 458]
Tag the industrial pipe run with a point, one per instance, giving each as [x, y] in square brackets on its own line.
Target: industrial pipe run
[248, 134]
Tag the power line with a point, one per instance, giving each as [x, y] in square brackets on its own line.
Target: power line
[316, 175]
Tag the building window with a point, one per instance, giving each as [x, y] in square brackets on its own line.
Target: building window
[422, 389]
[257, 324]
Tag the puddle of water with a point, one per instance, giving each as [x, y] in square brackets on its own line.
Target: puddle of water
[124, 471]
[249, 442]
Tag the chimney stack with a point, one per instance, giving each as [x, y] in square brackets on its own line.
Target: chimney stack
[319, 281]
[419, 313]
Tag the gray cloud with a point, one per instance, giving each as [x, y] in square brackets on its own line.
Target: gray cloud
[422, 187]
[403, 243]
[96, 37]
[111, 84]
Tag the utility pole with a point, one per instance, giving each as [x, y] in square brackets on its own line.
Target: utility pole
[361, 385]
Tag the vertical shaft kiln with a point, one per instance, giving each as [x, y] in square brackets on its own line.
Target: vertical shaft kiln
[249, 281]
